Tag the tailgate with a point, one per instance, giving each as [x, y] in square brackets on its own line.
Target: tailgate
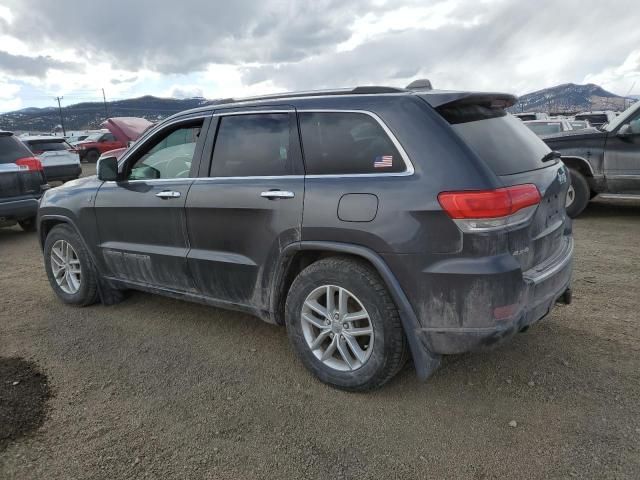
[517, 156]
[544, 235]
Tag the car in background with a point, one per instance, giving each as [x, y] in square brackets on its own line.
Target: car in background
[526, 116]
[596, 118]
[548, 127]
[579, 124]
[127, 129]
[59, 159]
[603, 161]
[96, 144]
[118, 133]
[22, 182]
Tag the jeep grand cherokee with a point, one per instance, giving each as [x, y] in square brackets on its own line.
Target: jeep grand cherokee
[373, 222]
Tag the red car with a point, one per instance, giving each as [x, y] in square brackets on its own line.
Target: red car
[120, 131]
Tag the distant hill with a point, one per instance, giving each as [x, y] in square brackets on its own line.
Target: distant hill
[571, 98]
[89, 115]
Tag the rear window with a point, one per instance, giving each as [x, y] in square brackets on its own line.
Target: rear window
[12, 149]
[546, 128]
[593, 119]
[47, 145]
[347, 143]
[501, 140]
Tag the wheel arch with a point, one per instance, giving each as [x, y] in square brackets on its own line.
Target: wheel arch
[579, 164]
[296, 257]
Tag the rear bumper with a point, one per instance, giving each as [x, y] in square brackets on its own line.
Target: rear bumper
[18, 209]
[63, 172]
[543, 286]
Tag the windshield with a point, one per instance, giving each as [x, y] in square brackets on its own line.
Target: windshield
[94, 137]
[622, 118]
[546, 128]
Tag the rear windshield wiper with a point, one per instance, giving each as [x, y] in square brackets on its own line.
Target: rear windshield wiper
[550, 156]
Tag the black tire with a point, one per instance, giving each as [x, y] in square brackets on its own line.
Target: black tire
[582, 193]
[28, 225]
[87, 294]
[389, 352]
[92, 156]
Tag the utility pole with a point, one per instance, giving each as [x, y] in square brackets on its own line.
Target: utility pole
[64, 132]
[106, 111]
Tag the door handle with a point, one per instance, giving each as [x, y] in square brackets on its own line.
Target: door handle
[273, 194]
[168, 194]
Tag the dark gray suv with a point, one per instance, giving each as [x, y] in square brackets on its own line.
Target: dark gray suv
[375, 223]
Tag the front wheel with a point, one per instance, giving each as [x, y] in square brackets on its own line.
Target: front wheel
[578, 195]
[344, 326]
[92, 156]
[70, 270]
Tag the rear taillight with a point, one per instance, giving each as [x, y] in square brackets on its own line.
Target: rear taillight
[29, 163]
[485, 210]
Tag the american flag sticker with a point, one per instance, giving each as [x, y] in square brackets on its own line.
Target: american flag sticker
[384, 161]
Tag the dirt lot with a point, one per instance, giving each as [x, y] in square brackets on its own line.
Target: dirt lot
[158, 388]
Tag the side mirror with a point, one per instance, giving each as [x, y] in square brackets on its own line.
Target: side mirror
[107, 169]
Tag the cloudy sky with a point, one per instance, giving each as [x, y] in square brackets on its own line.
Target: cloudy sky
[216, 49]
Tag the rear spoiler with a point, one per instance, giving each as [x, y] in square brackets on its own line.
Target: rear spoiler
[440, 98]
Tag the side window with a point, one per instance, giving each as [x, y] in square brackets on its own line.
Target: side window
[108, 137]
[254, 145]
[169, 156]
[344, 143]
[634, 126]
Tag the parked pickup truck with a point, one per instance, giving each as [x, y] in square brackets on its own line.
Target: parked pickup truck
[603, 161]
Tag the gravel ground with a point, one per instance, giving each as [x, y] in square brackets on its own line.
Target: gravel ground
[159, 388]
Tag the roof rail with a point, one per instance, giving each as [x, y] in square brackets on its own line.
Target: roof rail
[362, 90]
[420, 84]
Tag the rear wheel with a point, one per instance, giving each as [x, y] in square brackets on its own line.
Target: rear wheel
[578, 195]
[344, 326]
[28, 225]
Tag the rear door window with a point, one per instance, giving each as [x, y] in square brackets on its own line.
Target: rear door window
[12, 149]
[501, 140]
[258, 144]
[347, 143]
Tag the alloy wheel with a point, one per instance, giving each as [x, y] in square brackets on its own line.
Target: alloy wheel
[337, 328]
[65, 266]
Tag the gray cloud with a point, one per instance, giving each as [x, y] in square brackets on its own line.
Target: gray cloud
[503, 44]
[119, 81]
[185, 36]
[20, 65]
[480, 55]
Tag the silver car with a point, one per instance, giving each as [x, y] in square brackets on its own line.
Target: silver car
[59, 159]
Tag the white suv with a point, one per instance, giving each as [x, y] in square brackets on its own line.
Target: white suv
[59, 159]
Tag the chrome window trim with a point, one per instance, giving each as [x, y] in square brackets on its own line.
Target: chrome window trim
[409, 169]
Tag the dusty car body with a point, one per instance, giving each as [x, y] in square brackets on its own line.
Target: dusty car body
[371, 221]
